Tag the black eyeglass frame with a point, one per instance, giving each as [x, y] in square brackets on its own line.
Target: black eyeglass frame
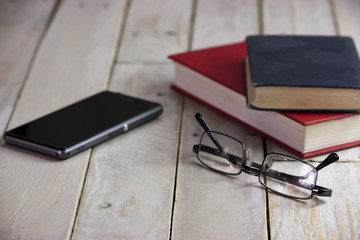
[255, 169]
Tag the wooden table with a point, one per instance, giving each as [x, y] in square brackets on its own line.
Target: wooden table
[147, 184]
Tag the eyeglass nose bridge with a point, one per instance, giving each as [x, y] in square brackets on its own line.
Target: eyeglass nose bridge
[248, 157]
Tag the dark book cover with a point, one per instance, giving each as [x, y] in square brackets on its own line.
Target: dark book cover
[303, 61]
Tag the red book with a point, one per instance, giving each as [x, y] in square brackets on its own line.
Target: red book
[215, 77]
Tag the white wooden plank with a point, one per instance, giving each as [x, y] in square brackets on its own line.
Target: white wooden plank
[278, 17]
[322, 218]
[210, 205]
[155, 29]
[225, 22]
[337, 217]
[348, 17]
[313, 17]
[39, 196]
[298, 17]
[129, 187]
[134, 174]
[60, 73]
[21, 27]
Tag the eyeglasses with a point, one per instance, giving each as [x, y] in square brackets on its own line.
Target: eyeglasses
[279, 173]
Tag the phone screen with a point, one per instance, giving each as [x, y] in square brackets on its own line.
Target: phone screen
[83, 120]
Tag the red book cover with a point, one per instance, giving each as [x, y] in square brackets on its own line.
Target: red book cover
[225, 66]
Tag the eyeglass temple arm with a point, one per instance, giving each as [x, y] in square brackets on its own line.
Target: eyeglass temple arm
[204, 125]
[231, 158]
[321, 191]
[202, 122]
[333, 157]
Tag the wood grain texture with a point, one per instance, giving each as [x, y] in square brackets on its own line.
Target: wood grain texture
[210, 205]
[313, 17]
[21, 26]
[40, 195]
[347, 13]
[278, 17]
[337, 217]
[319, 218]
[129, 187]
[75, 58]
[224, 22]
[155, 29]
[298, 17]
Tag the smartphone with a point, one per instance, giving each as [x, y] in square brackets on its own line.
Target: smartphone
[84, 124]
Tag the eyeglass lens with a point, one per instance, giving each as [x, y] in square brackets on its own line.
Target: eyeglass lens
[223, 154]
[288, 176]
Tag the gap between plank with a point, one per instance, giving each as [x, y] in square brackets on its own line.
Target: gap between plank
[119, 41]
[77, 207]
[176, 168]
[335, 17]
[260, 11]
[192, 24]
[264, 140]
[182, 114]
[33, 57]
[268, 223]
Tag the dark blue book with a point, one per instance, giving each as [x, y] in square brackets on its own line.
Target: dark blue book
[302, 73]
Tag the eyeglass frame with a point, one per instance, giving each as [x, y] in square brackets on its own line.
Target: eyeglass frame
[255, 169]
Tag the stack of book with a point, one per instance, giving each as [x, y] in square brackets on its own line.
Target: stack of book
[302, 92]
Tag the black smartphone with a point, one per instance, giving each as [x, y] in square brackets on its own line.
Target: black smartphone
[84, 124]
